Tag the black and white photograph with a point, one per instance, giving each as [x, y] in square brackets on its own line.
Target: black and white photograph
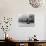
[26, 21]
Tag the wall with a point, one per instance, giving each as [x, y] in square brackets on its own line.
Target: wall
[45, 27]
[14, 8]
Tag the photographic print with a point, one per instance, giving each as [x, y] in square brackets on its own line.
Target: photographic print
[26, 21]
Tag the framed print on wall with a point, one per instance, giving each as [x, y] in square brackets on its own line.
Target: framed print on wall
[26, 21]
